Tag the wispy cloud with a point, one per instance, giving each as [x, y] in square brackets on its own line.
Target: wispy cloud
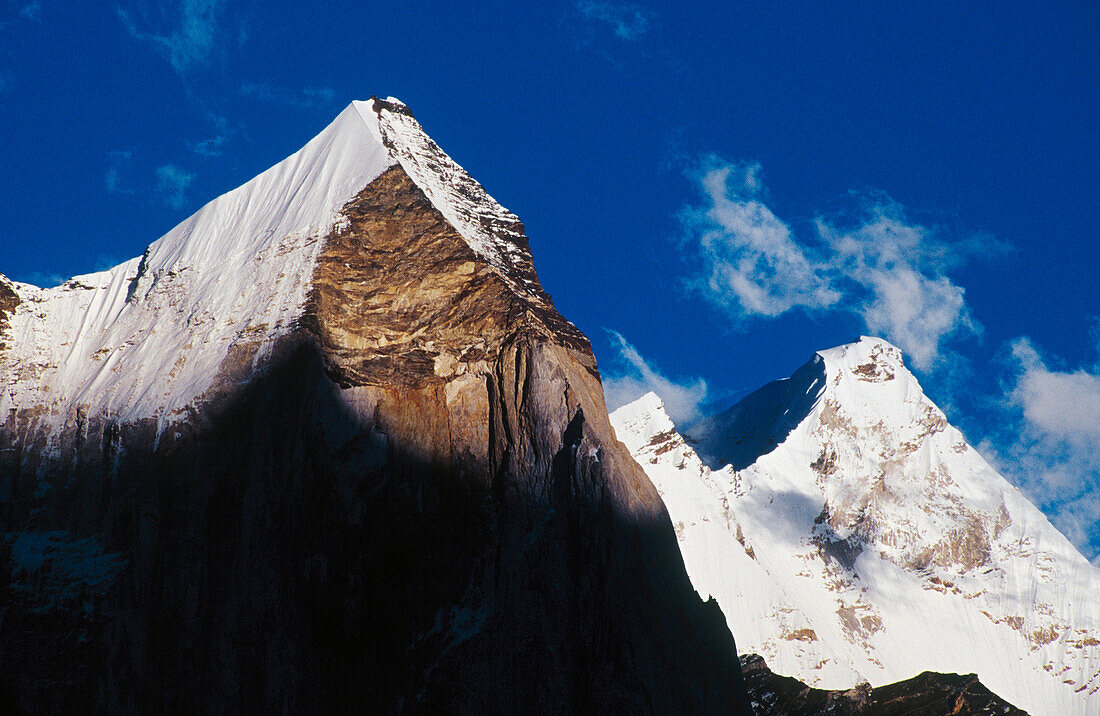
[172, 185]
[106, 261]
[890, 271]
[627, 21]
[214, 146]
[31, 11]
[634, 376]
[1052, 450]
[118, 172]
[189, 38]
[879, 265]
[754, 264]
[43, 280]
[308, 98]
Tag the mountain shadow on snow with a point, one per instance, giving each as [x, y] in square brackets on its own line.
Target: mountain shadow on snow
[760, 421]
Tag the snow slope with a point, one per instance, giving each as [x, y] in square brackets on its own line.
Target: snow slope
[862, 538]
[150, 337]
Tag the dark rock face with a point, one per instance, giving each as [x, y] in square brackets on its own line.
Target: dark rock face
[929, 694]
[416, 505]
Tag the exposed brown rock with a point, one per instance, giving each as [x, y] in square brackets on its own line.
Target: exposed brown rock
[825, 464]
[800, 635]
[400, 299]
[873, 372]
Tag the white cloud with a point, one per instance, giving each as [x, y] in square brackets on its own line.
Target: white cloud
[1053, 452]
[752, 260]
[627, 20]
[172, 184]
[637, 376]
[891, 273]
[190, 41]
[1065, 405]
[881, 267]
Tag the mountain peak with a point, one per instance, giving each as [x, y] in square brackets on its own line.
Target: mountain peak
[237, 271]
[869, 359]
[492, 231]
[648, 409]
[341, 388]
[842, 503]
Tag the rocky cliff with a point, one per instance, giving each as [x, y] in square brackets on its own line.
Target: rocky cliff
[328, 453]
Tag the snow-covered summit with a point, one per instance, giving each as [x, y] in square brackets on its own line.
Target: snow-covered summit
[861, 538]
[649, 410]
[863, 350]
[151, 336]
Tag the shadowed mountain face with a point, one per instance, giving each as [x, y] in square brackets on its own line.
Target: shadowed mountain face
[760, 421]
[412, 502]
[929, 694]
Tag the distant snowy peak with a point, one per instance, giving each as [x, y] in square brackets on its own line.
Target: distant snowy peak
[150, 337]
[856, 427]
[851, 533]
[870, 378]
[646, 417]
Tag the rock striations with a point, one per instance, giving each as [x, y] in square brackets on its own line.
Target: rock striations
[851, 534]
[328, 446]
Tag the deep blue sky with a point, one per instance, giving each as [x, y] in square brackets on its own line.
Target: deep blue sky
[595, 122]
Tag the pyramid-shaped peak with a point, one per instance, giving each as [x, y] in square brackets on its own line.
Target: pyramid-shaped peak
[648, 403]
[646, 415]
[867, 348]
[243, 265]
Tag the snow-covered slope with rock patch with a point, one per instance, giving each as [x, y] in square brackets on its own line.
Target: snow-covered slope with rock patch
[850, 533]
[151, 336]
